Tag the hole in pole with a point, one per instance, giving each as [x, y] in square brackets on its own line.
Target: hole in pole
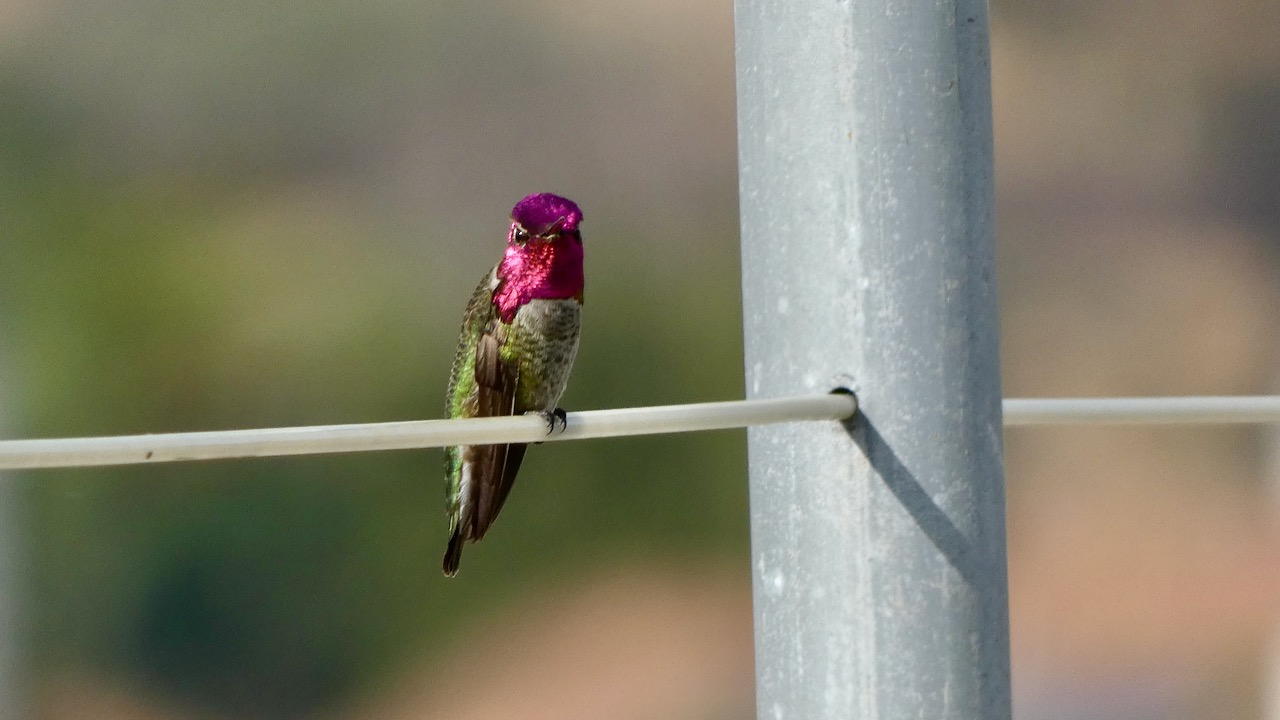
[840, 390]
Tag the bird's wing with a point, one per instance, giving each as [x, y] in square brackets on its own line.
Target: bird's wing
[495, 465]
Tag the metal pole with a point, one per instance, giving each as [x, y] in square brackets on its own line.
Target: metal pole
[878, 547]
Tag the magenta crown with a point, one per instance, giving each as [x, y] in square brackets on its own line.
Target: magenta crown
[538, 212]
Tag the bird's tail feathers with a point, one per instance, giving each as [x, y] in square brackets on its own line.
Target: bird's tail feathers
[453, 553]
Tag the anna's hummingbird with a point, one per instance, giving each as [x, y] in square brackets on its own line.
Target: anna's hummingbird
[519, 338]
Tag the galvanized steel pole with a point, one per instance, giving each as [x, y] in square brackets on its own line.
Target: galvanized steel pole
[878, 548]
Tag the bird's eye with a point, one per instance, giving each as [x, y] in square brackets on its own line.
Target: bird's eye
[521, 236]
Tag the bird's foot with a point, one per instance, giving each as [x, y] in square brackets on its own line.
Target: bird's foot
[557, 416]
[552, 419]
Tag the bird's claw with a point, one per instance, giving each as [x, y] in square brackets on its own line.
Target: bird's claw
[556, 416]
[552, 418]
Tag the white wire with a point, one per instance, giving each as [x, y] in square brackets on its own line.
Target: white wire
[227, 444]
[1143, 410]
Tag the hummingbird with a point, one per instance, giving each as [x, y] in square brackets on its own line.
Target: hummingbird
[518, 342]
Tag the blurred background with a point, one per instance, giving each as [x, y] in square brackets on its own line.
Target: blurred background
[243, 214]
